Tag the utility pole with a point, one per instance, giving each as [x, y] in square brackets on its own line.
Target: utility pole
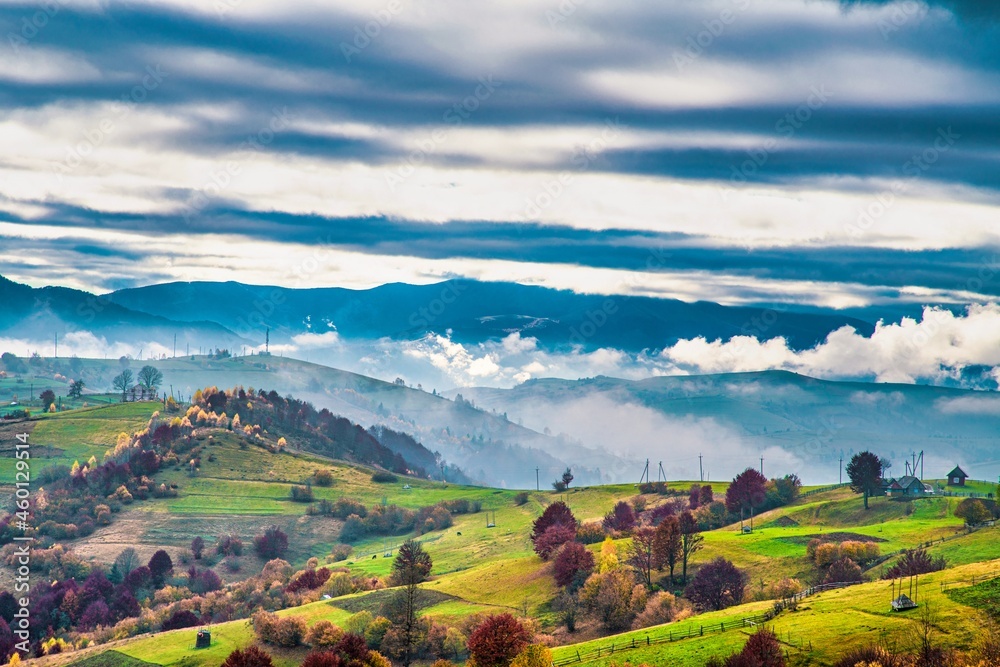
[762, 466]
[56, 352]
[267, 341]
[537, 487]
[841, 468]
[701, 470]
[175, 346]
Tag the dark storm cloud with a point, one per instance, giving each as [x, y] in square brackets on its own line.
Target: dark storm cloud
[885, 271]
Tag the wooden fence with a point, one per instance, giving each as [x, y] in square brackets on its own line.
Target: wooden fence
[693, 630]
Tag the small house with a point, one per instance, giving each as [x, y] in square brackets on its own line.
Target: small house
[957, 477]
[907, 486]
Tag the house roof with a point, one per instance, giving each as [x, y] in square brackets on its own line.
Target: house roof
[909, 480]
[957, 472]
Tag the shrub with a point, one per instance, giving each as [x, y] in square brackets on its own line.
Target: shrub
[534, 655]
[497, 641]
[272, 543]
[661, 608]
[341, 552]
[309, 580]
[324, 634]
[322, 659]
[205, 581]
[384, 477]
[229, 545]
[251, 656]
[915, 561]
[521, 498]
[345, 507]
[621, 518]
[375, 631]
[323, 478]
[288, 631]
[573, 564]
[181, 619]
[717, 585]
[613, 598]
[197, 547]
[761, 650]
[844, 570]
[590, 533]
[301, 494]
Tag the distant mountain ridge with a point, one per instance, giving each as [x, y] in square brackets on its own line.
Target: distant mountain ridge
[475, 311]
[41, 313]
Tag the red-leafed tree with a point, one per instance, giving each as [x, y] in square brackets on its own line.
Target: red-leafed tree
[556, 514]
[717, 585]
[272, 543]
[621, 518]
[668, 544]
[554, 537]
[748, 490]
[250, 656]
[160, 565]
[322, 659]
[573, 564]
[761, 650]
[497, 641]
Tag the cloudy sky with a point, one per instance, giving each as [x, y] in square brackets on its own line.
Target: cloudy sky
[741, 151]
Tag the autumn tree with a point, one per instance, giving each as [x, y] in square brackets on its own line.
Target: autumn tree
[613, 598]
[842, 571]
[123, 382]
[668, 544]
[411, 566]
[747, 490]
[160, 566]
[150, 377]
[251, 656]
[691, 540]
[974, 512]
[717, 585]
[558, 513]
[272, 543]
[76, 388]
[914, 561]
[621, 518]
[197, 547]
[643, 555]
[497, 641]
[567, 477]
[554, 537]
[572, 565]
[48, 397]
[865, 473]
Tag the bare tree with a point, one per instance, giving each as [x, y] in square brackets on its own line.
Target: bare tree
[122, 382]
